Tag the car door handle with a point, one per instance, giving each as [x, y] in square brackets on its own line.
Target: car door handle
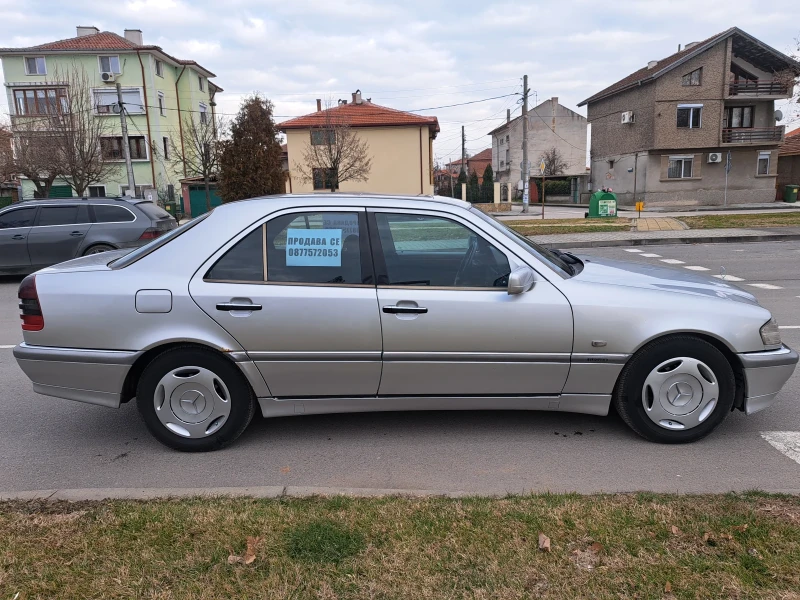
[76, 233]
[237, 306]
[404, 310]
[18, 237]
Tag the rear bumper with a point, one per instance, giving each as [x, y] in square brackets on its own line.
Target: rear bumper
[93, 376]
[765, 374]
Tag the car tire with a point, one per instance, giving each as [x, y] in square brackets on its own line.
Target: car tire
[675, 390]
[194, 400]
[98, 248]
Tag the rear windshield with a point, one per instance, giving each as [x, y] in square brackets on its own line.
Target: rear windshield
[153, 211]
[142, 251]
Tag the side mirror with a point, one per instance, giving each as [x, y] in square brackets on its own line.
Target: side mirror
[520, 280]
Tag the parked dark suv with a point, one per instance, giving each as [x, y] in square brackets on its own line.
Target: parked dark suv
[38, 233]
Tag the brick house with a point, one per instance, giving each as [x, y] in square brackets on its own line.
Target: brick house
[478, 163]
[663, 133]
[789, 162]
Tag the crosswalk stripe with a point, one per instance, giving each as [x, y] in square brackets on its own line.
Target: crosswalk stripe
[785, 442]
[696, 268]
[672, 261]
[651, 255]
[7, 346]
[765, 286]
[633, 250]
[728, 277]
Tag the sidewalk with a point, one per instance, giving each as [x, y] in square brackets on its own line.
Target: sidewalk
[651, 238]
[577, 211]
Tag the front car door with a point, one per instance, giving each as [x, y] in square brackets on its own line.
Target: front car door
[15, 226]
[58, 234]
[449, 325]
[297, 292]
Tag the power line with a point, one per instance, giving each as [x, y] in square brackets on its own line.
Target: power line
[462, 103]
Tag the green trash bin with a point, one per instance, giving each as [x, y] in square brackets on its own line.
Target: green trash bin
[602, 205]
[790, 193]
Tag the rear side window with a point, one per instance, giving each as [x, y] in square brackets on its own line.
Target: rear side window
[63, 215]
[20, 217]
[106, 213]
[243, 262]
[153, 211]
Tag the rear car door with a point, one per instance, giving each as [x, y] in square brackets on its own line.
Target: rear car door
[297, 293]
[15, 226]
[449, 325]
[58, 233]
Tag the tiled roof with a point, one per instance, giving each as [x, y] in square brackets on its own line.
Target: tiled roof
[482, 155]
[365, 114]
[792, 144]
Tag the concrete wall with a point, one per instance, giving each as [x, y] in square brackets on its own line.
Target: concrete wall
[401, 160]
[611, 137]
[788, 171]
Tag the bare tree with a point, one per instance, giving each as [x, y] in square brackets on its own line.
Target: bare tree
[79, 132]
[336, 153]
[36, 153]
[554, 163]
[7, 168]
[199, 154]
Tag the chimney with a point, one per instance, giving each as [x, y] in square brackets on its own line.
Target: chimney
[652, 64]
[554, 100]
[134, 35]
[319, 105]
[357, 97]
[84, 31]
[354, 97]
[508, 115]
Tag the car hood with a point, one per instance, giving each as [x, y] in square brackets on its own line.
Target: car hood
[666, 279]
[93, 262]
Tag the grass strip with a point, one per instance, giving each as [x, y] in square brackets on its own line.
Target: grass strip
[771, 219]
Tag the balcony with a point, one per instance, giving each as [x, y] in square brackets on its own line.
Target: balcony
[752, 135]
[760, 87]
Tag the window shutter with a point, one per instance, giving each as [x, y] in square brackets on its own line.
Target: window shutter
[664, 166]
[697, 167]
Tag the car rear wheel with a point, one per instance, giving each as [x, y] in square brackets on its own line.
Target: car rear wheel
[98, 248]
[194, 400]
[675, 390]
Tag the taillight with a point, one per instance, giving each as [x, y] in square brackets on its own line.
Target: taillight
[150, 234]
[32, 318]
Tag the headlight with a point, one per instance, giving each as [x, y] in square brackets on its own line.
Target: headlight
[770, 334]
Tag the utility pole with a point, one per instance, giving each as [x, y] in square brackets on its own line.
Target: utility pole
[525, 164]
[126, 148]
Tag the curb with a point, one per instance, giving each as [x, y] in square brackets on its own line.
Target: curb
[732, 239]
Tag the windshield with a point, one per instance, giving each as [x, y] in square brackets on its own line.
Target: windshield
[539, 251]
[143, 251]
[153, 211]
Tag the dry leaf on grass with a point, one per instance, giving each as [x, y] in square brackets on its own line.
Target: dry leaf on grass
[249, 554]
[668, 588]
[740, 528]
[675, 530]
[596, 547]
[544, 543]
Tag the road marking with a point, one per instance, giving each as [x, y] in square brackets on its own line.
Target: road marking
[788, 326]
[728, 277]
[785, 442]
[7, 346]
[651, 255]
[672, 261]
[633, 250]
[765, 286]
[696, 268]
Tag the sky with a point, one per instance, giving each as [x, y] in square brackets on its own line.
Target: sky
[412, 54]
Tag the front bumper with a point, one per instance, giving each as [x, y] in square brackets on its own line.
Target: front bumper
[765, 373]
[93, 376]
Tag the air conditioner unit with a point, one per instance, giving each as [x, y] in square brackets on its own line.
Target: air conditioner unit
[714, 157]
[107, 77]
[628, 117]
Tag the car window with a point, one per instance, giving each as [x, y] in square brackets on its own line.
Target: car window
[426, 250]
[63, 215]
[318, 247]
[106, 213]
[20, 217]
[243, 262]
[153, 211]
[150, 247]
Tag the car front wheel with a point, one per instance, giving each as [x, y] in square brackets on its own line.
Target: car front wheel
[675, 390]
[194, 400]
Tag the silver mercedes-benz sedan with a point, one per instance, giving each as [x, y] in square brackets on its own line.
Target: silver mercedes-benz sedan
[343, 303]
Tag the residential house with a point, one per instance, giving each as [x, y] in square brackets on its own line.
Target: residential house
[399, 143]
[550, 125]
[157, 91]
[663, 134]
[789, 162]
[477, 162]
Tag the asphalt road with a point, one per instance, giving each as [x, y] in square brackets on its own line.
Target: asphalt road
[47, 443]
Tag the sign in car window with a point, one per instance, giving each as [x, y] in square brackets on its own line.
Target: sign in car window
[314, 248]
[348, 223]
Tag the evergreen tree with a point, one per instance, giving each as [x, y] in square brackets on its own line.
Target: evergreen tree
[487, 187]
[473, 188]
[462, 178]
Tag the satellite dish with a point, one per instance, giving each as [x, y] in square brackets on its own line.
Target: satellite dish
[778, 115]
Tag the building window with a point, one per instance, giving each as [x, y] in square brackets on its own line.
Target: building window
[738, 116]
[159, 68]
[680, 167]
[201, 83]
[502, 141]
[693, 78]
[41, 101]
[323, 179]
[109, 64]
[323, 137]
[611, 164]
[35, 65]
[161, 104]
[502, 165]
[690, 115]
[106, 103]
[203, 114]
[114, 150]
[97, 191]
[165, 142]
[763, 163]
